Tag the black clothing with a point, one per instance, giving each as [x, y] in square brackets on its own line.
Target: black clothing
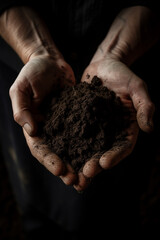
[112, 199]
[5, 4]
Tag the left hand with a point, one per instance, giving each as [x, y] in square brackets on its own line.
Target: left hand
[133, 93]
[38, 78]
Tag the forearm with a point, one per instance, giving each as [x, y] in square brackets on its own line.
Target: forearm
[132, 33]
[26, 33]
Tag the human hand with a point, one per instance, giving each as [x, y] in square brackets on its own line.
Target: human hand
[50, 160]
[132, 91]
[37, 79]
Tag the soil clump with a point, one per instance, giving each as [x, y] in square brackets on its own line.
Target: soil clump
[84, 120]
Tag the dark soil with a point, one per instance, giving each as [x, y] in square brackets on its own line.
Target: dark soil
[84, 120]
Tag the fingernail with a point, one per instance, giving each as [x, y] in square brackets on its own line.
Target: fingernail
[27, 128]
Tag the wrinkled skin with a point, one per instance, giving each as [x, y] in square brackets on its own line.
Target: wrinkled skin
[133, 93]
[132, 33]
[36, 81]
[38, 78]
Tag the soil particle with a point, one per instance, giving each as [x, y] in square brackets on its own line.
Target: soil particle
[83, 120]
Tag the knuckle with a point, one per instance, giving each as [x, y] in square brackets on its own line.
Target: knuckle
[11, 91]
[58, 170]
[17, 117]
[54, 165]
[69, 181]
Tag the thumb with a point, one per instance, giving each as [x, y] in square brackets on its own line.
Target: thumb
[21, 105]
[143, 105]
[145, 114]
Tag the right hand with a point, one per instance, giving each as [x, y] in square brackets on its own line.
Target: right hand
[37, 79]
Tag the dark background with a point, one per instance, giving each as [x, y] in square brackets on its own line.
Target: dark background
[147, 68]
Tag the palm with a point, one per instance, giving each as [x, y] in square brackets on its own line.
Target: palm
[118, 78]
[37, 79]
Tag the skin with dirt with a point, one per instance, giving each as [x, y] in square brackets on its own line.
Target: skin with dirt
[84, 120]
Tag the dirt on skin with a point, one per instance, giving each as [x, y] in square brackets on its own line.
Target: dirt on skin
[84, 120]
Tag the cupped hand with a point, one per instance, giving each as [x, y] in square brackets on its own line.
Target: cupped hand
[37, 79]
[132, 90]
[50, 160]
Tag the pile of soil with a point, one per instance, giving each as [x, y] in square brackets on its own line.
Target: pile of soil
[83, 120]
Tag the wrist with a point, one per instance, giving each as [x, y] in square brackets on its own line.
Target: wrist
[119, 52]
[48, 51]
[27, 34]
[132, 33]
[106, 52]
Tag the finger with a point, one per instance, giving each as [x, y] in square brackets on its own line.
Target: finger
[21, 105]
[118, 152]
[92, 167]
[143, 105]
[44, 155]
[69, 177]
[82, 183]
[145, 116]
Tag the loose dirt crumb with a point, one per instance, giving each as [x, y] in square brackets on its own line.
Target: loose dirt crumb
[83, 120]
